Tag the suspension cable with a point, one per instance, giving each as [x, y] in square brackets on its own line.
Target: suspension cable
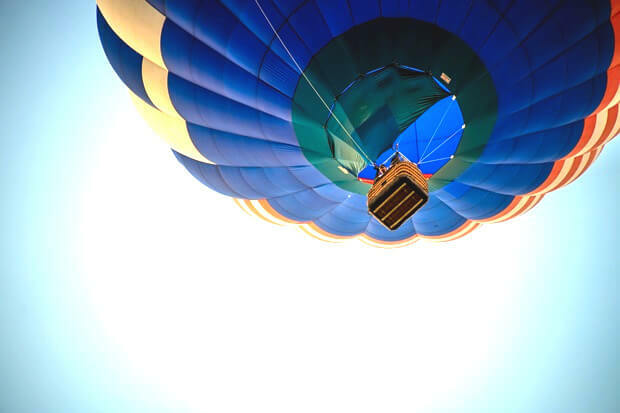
[436, 160]
[437, 128]
[441, 144]
[361, 151]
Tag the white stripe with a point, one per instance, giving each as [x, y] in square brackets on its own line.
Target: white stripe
[537, 199]
[599, 127]
[567, 164]
[584, 162]
[615, 100]
[520, 204]
[614, 130]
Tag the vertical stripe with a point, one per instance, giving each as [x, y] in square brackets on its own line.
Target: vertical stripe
[610, 128]
[559, 168]
[516, 203]
[589, 124]
[537, 199]
[155, 79]
[599, 127]
[592, 157]
[577, 164]
[612, 93]
[610, 121]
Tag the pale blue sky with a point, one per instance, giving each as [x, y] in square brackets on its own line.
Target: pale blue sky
[121, 292]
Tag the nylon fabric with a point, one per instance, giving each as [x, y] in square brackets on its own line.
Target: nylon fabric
[537, 84]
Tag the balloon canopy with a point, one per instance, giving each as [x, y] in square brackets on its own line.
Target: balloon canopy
[285, 105]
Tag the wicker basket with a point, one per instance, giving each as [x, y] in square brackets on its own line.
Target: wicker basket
[397, 194]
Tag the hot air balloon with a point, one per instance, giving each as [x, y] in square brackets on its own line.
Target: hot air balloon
[291, 106]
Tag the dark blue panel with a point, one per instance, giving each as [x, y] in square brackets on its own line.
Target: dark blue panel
[234, 150]
[126, 63]
[197, 63]
[394, 8]
[310, 176]
[310, 25]
[236, 180]
[501, 5]
[525, 16]
[294, 44]
[425, 10]
[472, 203]
[281, 178]
[364, 10]
[288, 7]
[245, 182]
[344, 221]
[296, 206]
[258, 23]
[500, 42]
[436, 218]
[568, 106]
[249, 13]
[378, 231]
[539, 147]
[205, 108]
[506, 179]
[564, 27]
[480, 23]
[337, 15]
[207, 174]
[219, 29]
[274, 72]
[452, 15]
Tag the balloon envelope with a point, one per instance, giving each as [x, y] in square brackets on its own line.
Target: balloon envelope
[283, 104]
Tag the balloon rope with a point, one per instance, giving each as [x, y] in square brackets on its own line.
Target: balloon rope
[436, 129]
[440, 145]
[437, 160]
[361, 151]
[388, 158]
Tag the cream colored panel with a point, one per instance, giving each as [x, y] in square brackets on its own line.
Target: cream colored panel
[139, 25]
[173, 130]
[155, 81]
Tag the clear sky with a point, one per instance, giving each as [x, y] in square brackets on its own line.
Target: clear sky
[122, 291]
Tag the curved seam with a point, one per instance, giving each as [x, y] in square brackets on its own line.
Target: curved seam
[237, 194]
[497, 191]
[309, 220]
[532, 103]
[192, 33]
[466, 16]
[280, 27]
[340, 204]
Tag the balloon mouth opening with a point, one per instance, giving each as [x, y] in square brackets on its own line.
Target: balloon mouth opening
[430, 141]
[396, 108]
